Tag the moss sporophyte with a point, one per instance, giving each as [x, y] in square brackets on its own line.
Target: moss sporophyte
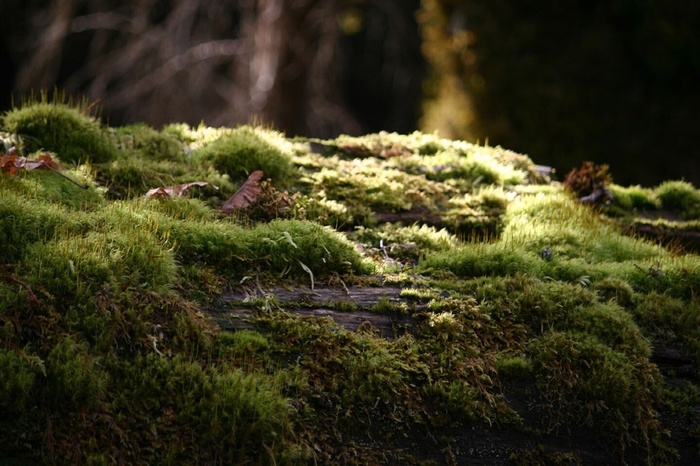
[378, 299]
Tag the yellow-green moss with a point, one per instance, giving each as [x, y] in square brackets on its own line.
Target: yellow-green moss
[518, 298]
[61, 128]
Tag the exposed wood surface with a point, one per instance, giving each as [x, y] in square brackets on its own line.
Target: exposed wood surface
[234, 311]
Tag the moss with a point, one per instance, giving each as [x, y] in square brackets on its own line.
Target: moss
[292, 246]
[634, 197]
[61, 128]
[612, 326]
[681, 197]
[51, 187]
[21, 375]
[483, 259]
[671, 321]
[542, 312]
[514, 368]
[76, 378]
[149, 143]
[405, 242]
[576, 372]
[74, 267]
[241, 151]
[24, 222]
[615, 290]
[181, 208]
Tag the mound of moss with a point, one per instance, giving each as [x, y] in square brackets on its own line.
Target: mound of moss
[526, 316]
[60, 127]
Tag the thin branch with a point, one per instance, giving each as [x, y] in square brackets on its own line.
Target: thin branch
[30, 293]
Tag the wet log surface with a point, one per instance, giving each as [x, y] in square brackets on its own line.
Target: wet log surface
[234, 310]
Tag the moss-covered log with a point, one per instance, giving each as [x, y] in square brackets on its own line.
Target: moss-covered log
[508, 322]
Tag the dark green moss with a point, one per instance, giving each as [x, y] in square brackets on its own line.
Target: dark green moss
[149, 143]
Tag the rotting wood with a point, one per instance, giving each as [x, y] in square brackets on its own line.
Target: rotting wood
[233, 313]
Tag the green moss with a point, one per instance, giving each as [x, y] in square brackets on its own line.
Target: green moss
[633, 197]
[244, 344]
[181, 208]
[149, 143]
[76, 378]
[241, 151]
[681, 197]
[671, 321]
[61, 128]
[514, 368]
[575, 373]
[615, 290]
[25, 221]
[292, 246]
[51, 187]
[483, 259]
[612, 326]
[240, 417]
[21, 375]
[405, 242]
[74, 267]
[510, 287]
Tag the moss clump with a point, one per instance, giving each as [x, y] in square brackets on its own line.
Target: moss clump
[241, 151]
[75, 267]
[76, 378]
[21, 375]
[49, 186]
[406, 243]
[671, 322]
[24, 222]
[302, 248]
[576, 373]
[628, 198]
[283, 247]
[681, 197]
[61, 128]
[149, 143]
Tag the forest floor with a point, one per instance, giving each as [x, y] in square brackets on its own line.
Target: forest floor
[231, 295]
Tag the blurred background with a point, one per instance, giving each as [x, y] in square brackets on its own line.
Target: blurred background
[611, 81]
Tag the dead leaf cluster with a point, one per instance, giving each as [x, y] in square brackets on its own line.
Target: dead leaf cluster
[241, 199]
[11, 163]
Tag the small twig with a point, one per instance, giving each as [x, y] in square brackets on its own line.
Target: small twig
[653, 271]
[67, 177]
[345, 287]
[11, 279]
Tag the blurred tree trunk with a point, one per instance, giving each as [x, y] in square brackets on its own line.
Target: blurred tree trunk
[291, 64]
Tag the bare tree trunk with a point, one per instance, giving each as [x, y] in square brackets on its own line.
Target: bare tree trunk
[281, 63]
[42, 68]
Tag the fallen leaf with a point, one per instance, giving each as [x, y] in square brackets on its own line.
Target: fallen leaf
[11, 162]
[177, 190]
[245, 194]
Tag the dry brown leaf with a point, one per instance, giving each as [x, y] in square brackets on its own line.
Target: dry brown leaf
[245, 194]
[11, 163]
[177, 190]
